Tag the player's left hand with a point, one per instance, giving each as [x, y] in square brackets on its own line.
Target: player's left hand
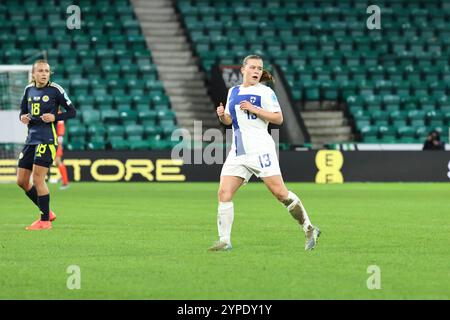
[246, 105]
[48, 117]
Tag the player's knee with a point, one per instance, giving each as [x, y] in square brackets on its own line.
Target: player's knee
[225, 195]
[38, 178]
[281, 194]
[23, 183]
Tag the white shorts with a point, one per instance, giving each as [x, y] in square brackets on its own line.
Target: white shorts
[244, 166]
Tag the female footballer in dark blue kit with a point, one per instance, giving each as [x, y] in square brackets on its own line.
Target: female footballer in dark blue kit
[39, 110]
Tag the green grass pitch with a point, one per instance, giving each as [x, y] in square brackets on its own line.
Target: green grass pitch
[149, 241]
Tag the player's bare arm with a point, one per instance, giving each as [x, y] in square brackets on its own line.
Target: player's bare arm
[223, 117]
[25, 118]
[272, 117]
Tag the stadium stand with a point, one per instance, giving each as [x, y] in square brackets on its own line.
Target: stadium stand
[105, 67]
[393, 82]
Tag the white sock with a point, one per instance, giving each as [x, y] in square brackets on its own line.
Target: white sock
[225, 217]
[296, 208]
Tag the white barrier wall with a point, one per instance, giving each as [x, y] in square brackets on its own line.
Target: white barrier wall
[11, 129]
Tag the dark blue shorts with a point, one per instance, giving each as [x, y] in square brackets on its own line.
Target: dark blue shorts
[40, 154]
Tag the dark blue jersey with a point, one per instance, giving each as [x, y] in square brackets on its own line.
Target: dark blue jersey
[36, 102]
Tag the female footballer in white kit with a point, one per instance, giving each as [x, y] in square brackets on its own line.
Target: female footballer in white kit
[249, 109]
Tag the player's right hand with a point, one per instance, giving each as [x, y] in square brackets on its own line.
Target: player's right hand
[25, 118]
[220, 110]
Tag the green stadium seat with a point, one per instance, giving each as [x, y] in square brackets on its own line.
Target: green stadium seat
[118, 143]
[75, 139]
[128, 116]
[441, 61]
[362, 123]
[139, 144]
[329, 90]
[111, 69]
[341, 74]
[118, 42]
[416, 117]
[356, 108]
[157, 144]
[379, 117]
[409, 105]
[115, 131]
[397, 115]
[132, 139]
[13, 56]
[434, 118]
[427, 103]
[446, 117]
[406, 131]
[147, 116]
[444, 105]
[142, 106]
[370, 139]
[167, 127]
[99, 90]
[316, 58]
[348, 88]
[298, 58]
[387, 134]
[103, 102]
[437, 88]
[311, 90]
[430, 74]
[406, 139]
[153, 85]
[369, 131]
[76, 131]
[133, 130]
[109, 116]
[366, 89]
[90, 116]
[96, 145]
[87, 58]
[151, 130]
[96, 130]
[399, 122]
[75, 145]
[362, 44]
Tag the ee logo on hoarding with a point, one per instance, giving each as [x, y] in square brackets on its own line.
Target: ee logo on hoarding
[329, 163]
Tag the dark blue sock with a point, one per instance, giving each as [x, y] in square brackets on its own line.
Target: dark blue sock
[32, 194]
[44, 206]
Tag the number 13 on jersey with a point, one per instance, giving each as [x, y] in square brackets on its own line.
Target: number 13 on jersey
[250, 116]
[264, 160]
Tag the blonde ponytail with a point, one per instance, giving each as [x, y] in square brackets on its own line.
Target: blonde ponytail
[266, 76]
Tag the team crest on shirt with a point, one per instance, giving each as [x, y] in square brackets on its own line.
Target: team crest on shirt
[45, 98]
[252, 100]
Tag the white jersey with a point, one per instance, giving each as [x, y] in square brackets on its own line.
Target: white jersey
[250, 133]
